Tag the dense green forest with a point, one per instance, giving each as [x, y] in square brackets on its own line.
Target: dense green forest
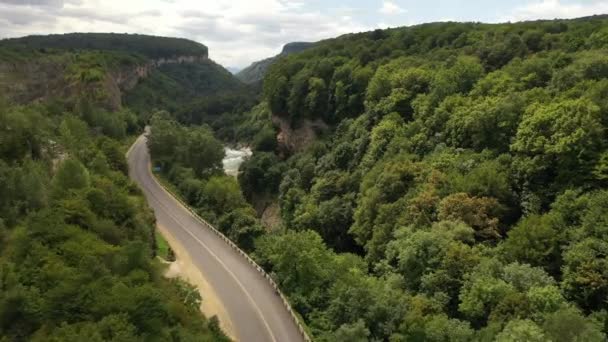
[461, 193]
[77, 240]
[149, 46]
[195, 93]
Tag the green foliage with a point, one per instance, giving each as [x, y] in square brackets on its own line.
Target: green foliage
[222, 193]
[76, 242]
[465, 164]
[521, 330]
[195, 93]
[71, 175]
[22, 132]
[191, 159]
[195, 147]
[563, 137]
[149, 46]
[536, 240]
[464, 168]
[202, 151]
[260, 174]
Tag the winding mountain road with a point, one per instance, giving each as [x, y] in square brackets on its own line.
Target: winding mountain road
[255, 310]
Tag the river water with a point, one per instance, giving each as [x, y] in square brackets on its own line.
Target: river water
[234, 158]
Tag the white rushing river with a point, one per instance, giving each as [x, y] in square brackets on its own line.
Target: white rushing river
[234, 159]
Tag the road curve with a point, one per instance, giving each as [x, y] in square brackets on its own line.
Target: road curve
[255, 310]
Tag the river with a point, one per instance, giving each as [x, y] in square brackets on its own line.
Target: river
[234, 158]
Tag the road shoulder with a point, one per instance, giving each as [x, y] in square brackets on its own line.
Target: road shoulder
[184, 268]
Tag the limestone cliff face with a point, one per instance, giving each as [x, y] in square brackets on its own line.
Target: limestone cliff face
[119, 81]
[127, 78]
[292, 139]
[37, 80]
[26, 82]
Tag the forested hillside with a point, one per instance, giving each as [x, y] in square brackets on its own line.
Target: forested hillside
[77, 240]
[256, 72]
[456, 193]
[195, 93]
[150, 46]
[461, 191]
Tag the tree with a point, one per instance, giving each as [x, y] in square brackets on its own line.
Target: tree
[356, 332]
[296, 102]
[260, 174]
[487, 123]
[442, 328]
[302, 270]
[22, 132]
[221, 194]
[480, 213]
[382, 194]
[498, 292]
[316, 100]
[568, 324]
[585, 273]
[459, 78]
[536, 240]
[562, 138]
[71, 175]
[242, 227]
[165, 137]
[202, 152]
[521, 331]
[276, 91]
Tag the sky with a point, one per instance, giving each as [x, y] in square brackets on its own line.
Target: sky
[239, 32]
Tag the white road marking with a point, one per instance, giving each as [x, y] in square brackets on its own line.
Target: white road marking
[181, 225]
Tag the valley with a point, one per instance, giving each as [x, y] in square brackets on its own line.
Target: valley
[436, 182]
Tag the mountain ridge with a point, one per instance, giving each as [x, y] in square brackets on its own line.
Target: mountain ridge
[256, 72]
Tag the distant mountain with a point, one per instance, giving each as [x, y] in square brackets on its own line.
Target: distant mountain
[234, 70]
[256, 71]
[154, 47]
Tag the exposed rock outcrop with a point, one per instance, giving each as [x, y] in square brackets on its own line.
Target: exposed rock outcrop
[128, 78]
[292, 139]
[26, 82]
[39, 79]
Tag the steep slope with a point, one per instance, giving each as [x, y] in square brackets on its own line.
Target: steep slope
[66, 67]
[77, 242]
[461, 186]
[256, 71]
[203, 86]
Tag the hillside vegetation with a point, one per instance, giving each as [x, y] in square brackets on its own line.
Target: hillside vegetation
[256, 72]
[195, 93]
[77, 240]
[114, 71]
[149, 46]
[461, 193]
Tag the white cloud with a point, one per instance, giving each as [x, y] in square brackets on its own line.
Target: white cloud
[390, 8]
[237, 32]
[552, 9]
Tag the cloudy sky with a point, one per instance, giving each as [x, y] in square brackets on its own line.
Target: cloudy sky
[239, 32]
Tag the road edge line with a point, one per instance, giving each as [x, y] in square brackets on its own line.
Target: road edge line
[271, 281]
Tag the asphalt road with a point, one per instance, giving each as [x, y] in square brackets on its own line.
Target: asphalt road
[254, 308]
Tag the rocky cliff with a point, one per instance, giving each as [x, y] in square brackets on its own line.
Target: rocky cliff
[127, 78]
[296, 138]
[42, 78]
